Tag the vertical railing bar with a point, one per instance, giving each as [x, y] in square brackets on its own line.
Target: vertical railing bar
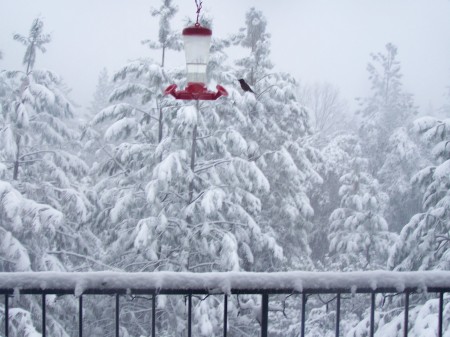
[117, 315]
[44, 327]
[441, 313]
[6, 315]
[372, 314]
[338, 313]
[154, 315]
[225, 315]
[80, 316]
[303, 314]
[265, 315]
[406, 318]
[190, 315]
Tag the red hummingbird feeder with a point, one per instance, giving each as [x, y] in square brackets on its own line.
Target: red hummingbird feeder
[197, 41]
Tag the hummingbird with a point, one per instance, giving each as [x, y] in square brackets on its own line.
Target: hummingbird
[245, 86]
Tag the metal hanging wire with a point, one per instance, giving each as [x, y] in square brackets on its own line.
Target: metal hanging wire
[199, 8]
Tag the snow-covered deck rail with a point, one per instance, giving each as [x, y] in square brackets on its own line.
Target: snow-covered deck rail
[226, 284]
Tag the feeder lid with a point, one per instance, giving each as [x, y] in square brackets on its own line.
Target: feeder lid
[197, 30]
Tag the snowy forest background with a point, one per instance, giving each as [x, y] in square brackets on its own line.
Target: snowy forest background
[282, 180]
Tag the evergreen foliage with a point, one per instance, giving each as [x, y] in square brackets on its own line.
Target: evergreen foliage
[385, 114]
[35, 147]
[102, 93]
[167, 39]
[279, 144]
[255, 38]
[402, 159]
[387, 108]
[251, 182]
[423, 243]
[359, 233]
[334, 162]
[35, 40]
[43, 205]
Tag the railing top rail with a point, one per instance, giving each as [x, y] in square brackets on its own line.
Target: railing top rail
[230, 282]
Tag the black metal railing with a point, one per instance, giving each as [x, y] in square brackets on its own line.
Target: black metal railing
[434, 282]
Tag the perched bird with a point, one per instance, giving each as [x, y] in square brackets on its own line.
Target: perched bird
[245, 86]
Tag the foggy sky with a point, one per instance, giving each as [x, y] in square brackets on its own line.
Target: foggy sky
[315, 40]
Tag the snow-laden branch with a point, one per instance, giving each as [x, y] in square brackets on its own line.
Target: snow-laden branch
[84, 257]
[212, 164]
[35, 153]
[123, 168]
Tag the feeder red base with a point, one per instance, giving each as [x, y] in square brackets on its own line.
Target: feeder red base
[195, 91]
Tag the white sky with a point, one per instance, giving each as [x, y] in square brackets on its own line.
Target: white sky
[316, 40]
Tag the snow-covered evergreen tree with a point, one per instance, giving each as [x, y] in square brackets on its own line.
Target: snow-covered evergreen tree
[185, 179]
[254, 37]
[402, 159]
[186, 196]
[359, 236]
[167, 39]
[35, 145]
[44, 210]
[424, 242]
[384, 113]
[135, 139]
[91, 135]
[102, 93]
[19, 215]
[387, 108]
[389, 322]
[335, 161]
[135, 135]
[277, 134]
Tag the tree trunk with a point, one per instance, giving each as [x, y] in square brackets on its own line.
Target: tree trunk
[16, 162]
[29, 60]
[160, 129]
[194, 147]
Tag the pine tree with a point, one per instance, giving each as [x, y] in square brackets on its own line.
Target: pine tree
[34, 138]
[387, 108]
[197, 155]
[44, 210]
[278, 134]
[135, 139]
[167, 39]
[132, 138]
[255, 38]
[424, 243]
[391, 325]
[385, 114]
[402, 159]
[335, 161]
[35, 41]
[91, 135]
[189, 200]
[359, 236]
[102, 93]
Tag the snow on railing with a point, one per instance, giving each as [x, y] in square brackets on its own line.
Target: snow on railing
[232, 282]
[264, 284]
